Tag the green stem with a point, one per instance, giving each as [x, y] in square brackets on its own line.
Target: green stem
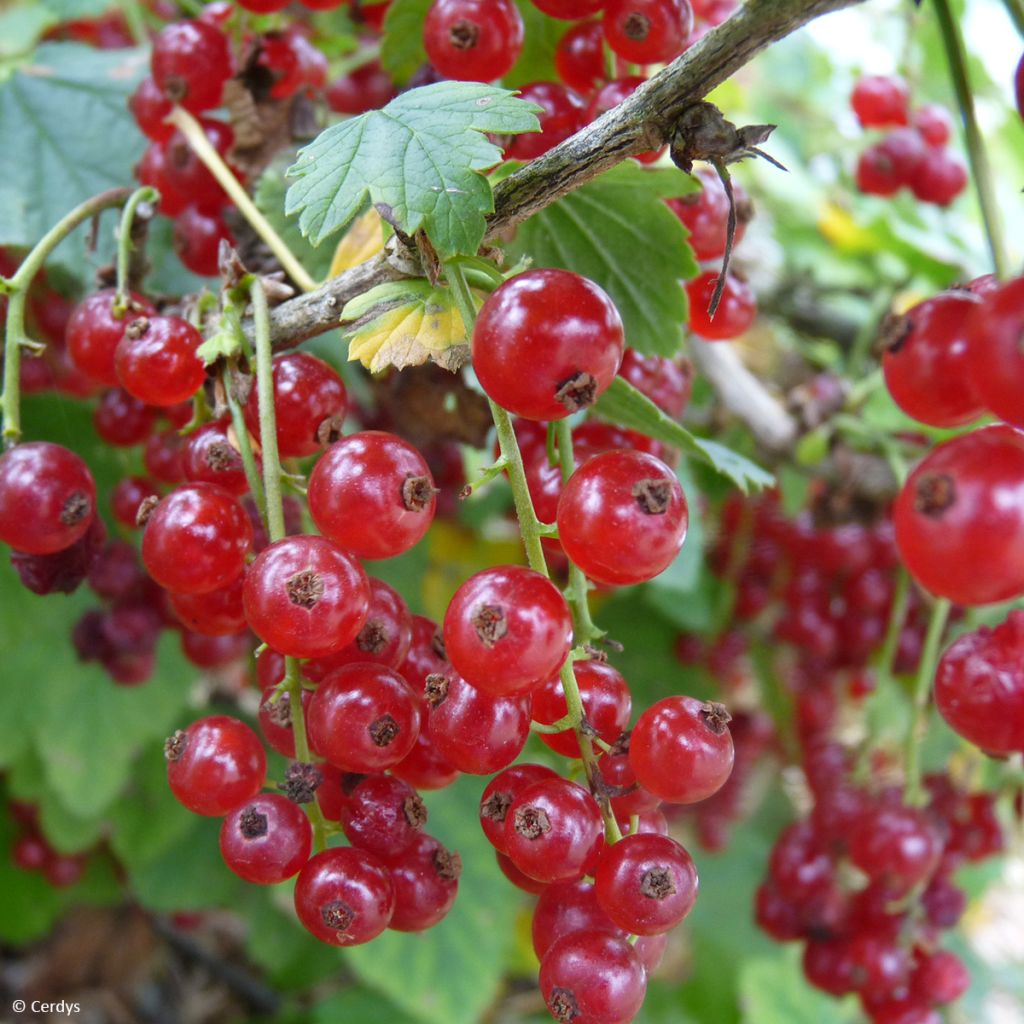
[981, 170]
[135, 21]
[252, 473]
[293, 687]
[1015, 9]
[268, 422]
[564, 723]
[17, 287]
[922, 690]
[363, 56]
[125, 247]
[193, 132]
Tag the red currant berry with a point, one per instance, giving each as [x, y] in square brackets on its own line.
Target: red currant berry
[473, 40]
[579, 58]
[209, 456]
[939, 178]
[875, 174]
[162, 456]
[705, 214]
[305, 597]
[367, 88]
[646, 883]
[681, 749]
[363, 718]
[47, 498]
[565, 908]
[150, 107]
[474, 732]
[554, 831]
[156, 360]
[384, 816]
[926, 358]
[560, 325]
[934, 124]
[897, 844]
[736, 310]
[197, 238]
[617, 773]
[507, 630]
[648, 31]
[426, 881]
[516, 877]
[266, 840]
[622, 517]
[940, 978]
[568, 10]
[666, 382]
[310, 402]
[215, 764]
[962, 501]
[93, 332]
[188, 176]
[152, 170]
[562, 114]
[994, 358]
[592, 977]
[344, 897]
[213, 613]
[191, 63]
[880, 101]
[121, 420]
[127, 495]
[501, 791]
[606, 705]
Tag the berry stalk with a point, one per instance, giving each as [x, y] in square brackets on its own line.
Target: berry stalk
[196, 137]
[125, 246]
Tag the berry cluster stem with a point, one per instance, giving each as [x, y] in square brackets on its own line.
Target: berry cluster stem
[196, 137]
[531, 530]
[252, 473]
[293, 687]
[125, 246]
[981, 169]
[17, 286]
[922, 691]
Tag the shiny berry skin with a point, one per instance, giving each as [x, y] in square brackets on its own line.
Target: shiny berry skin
[898, 844]
[705, 214]
[191, 63]
[648, 31]
[516, 877]
[214, 613]
[979, 686]
[560, 326]
[126, 496]
[266, 840]
[384, 816]
[310, 401]
[934, 124]
[963, 501]
[188, 176]
[592, 977]
[736, 310]
[569, 10]
[646, 883]
[156, 360]
[263, 6]
[210, 457]
[93, 333]
[622, 517]
[61, 572]
[880, 101]
[507, 630]
[666, 382]
[162, 456]
[926, 359]
[939, 178]
[363, 718]
[473, 40]
[197, 238]
[275, 716]
[995, 361]
[579, 58]
[372, 494]
[499, 794]
[554, 831]
[473, 731]
[367, 88]
[565, 908]
[384, 638]
[306, 597]
[344, 896]
[426, 881]
[196, 539]
[606, 705]
[940, 978]
[681, 749]
[121, 420]
[215, 764]
[150, 107]
[618, 772]
[47, 498]
[152, 170]
[214, 652]
[563, 114]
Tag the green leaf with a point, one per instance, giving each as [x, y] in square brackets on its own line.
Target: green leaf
[536, 62]
[401, 52]
[683, 575]
[624, 404]
[452, 975]
[418, 160]
[70, 10]
[773, 990]
[357, 1004]
[269, 198]
[617, 231]
[65, 134]
[21, 28]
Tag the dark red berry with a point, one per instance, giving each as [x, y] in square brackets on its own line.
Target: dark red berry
[266, 840]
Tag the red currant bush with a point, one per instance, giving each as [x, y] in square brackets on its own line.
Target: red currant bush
[266, 840]
[372, 494]
[562, 327]
[215, 764]
[507, 630]
[306, 597]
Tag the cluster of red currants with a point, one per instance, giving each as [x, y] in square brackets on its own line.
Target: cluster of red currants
[913, 153]
[31, 851]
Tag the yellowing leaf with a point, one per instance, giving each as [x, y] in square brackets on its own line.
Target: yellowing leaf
[364, 239]
[839, 227]
[405, 324]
